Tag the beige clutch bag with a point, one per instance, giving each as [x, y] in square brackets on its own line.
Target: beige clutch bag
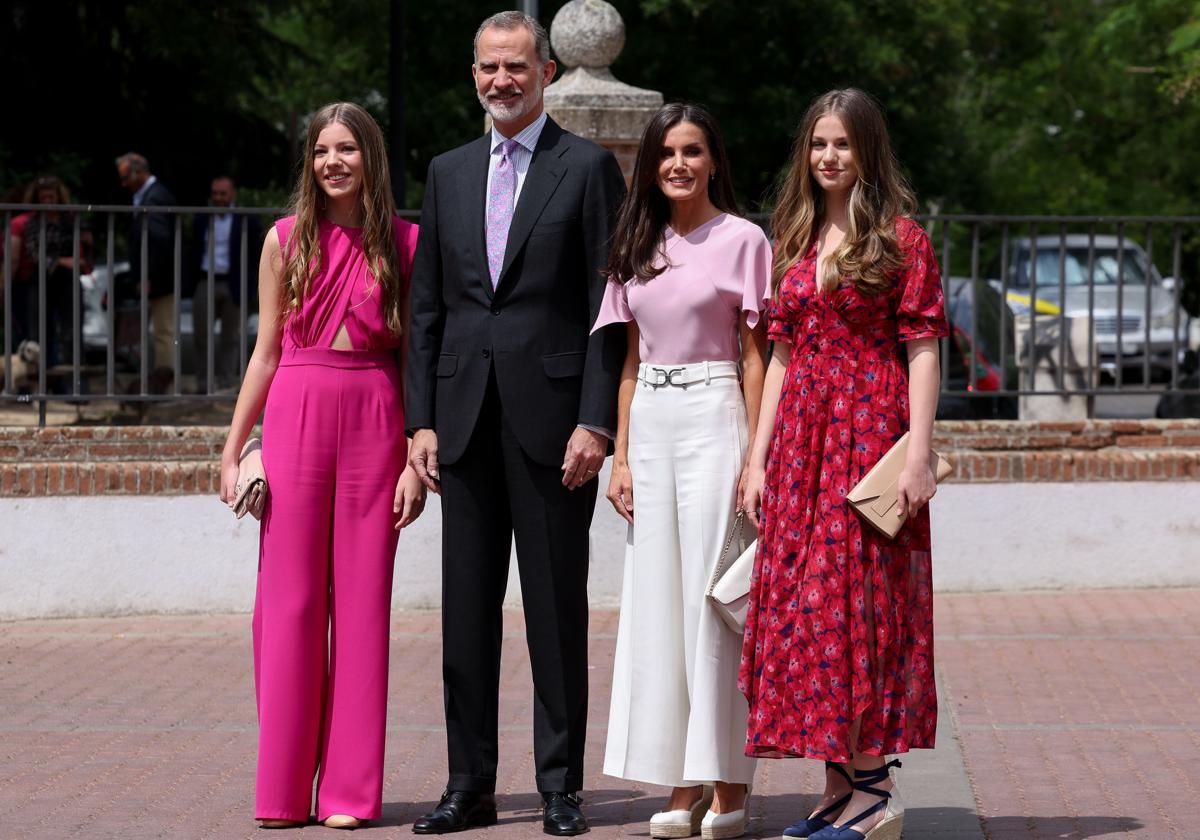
[729, 587]
[251, 482]
[875, 496]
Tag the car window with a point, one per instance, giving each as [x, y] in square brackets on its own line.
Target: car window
[1105, 268]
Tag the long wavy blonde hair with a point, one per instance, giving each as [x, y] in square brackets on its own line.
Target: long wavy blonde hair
[303, 260]
[869, 254]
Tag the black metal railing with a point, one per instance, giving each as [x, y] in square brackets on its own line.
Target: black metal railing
[1072, 307]
[77, 323]
[1040, 306]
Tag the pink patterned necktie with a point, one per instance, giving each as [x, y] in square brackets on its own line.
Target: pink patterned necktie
[501, 198]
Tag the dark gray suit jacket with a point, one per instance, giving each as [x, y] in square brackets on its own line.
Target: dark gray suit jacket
[160, 242]
[534, 329]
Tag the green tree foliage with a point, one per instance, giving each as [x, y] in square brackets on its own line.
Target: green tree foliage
[1070, 106]
[1183, 52]
[339, 50]
[1066, 109]
[758, 65]
[89, 80]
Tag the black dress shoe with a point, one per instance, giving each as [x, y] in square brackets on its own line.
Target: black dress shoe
[458, 810]
[563, 815]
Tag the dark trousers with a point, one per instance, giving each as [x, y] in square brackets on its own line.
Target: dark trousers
[493, 492]
[226, 367]
[60, 314]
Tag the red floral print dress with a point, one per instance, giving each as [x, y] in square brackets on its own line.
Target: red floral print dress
[840, 623]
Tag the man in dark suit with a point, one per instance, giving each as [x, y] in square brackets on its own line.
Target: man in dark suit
[159, 271]
[510, 401]
[217, 249]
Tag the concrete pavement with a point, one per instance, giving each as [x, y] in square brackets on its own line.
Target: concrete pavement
[1064, 715]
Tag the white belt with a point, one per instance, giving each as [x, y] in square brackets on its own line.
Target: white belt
[684, 376]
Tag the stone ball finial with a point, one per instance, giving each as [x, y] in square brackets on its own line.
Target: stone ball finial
[587, 33]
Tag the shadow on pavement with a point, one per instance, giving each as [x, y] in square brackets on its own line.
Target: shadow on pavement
[1074, 828]
[778, 812]
[942, 822]
[602, 807]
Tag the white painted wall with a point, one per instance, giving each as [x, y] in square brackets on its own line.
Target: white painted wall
[1089, 535]
[108, 555]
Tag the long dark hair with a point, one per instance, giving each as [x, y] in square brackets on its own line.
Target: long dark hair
[637, 239]
[869, 254]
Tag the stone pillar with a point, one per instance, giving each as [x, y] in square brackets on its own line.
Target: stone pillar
[587, 36]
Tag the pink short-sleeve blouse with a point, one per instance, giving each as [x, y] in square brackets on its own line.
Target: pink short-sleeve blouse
[690, 312]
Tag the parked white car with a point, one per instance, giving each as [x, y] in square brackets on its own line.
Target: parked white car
[1124, 304]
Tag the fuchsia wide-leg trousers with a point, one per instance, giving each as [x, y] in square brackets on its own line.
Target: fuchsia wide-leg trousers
[333, 449]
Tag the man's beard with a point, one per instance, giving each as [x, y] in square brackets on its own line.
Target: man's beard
[507, 112]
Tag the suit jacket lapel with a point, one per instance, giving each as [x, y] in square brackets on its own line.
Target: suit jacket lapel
[546, 170]
[472, 188]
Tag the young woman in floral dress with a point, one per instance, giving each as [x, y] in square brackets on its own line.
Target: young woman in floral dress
[837, 660]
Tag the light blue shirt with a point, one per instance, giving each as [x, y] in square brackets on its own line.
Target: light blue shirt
[222, 229]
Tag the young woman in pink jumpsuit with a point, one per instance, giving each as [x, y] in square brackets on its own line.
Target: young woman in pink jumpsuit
[333, 286]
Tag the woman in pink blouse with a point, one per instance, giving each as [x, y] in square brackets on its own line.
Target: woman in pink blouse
[690, 277]
[333, 287]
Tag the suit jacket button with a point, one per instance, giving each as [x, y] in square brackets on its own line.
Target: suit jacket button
[487, 354]
[495, 310]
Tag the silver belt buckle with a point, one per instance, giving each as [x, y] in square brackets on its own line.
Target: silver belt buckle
[664, 377]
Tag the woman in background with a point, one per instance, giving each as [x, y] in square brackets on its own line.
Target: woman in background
[63, 256]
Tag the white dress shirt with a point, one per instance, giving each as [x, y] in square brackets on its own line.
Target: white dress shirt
[140, 195]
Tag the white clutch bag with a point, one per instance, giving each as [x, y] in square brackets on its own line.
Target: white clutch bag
[729, 587]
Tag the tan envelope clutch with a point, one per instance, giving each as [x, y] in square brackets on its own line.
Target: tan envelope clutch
[875, 496]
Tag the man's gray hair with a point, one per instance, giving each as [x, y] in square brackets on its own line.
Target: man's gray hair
[136, 162]
[511, 20]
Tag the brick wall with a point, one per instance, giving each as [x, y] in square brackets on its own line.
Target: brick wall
[110, 460]
[171, 460]
[1085, 450]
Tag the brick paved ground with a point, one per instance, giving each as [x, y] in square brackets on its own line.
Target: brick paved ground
[1077, 713]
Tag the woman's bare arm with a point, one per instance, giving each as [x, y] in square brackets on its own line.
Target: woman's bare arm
[260, 371]
[620, 485]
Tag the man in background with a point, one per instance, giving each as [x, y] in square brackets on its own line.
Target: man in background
[158, 272]
[220, 256]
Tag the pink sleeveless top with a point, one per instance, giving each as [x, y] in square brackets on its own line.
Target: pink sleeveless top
[345, 292]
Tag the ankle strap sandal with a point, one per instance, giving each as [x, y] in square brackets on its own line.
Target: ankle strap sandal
[888, 828]
[822, 819]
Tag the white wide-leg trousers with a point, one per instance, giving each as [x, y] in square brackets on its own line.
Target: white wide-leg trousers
[677, 717]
